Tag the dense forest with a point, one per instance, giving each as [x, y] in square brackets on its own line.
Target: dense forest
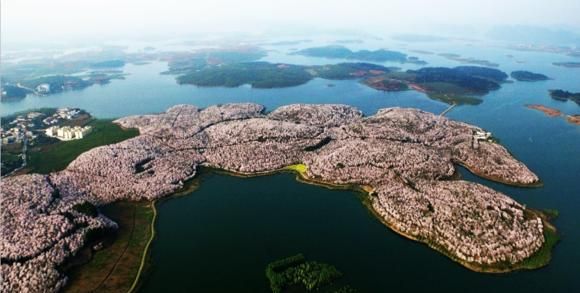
[564, 96]
[522, 75]
[458, 85]
[256, 74]
[296, 271]
[475, 80]
[270, 75]
[342, 52]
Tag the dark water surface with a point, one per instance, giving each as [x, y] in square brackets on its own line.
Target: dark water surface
[220, 238]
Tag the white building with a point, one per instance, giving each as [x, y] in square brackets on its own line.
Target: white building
[43, 88]
[67, 132]
[482, 135]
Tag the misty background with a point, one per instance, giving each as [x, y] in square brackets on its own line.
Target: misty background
[35, 23]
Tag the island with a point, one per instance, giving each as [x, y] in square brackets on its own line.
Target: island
[468, 60]
[256, 74]
[271, 75]
[296, 271]
[522, 75]
[563, 96]
[568, 64]
[404, 159]
[342, 52]
[551, 112]
[458, 85]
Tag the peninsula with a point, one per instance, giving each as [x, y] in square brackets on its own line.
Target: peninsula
[404, 158]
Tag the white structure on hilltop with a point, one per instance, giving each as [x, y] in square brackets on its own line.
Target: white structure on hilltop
[482, 135]
[43, 88]
[67, 132]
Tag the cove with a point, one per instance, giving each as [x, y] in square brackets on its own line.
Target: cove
[221, 236]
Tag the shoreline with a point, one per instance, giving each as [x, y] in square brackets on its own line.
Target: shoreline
[366, 198]
[367, 201]
[114, 265]
[537, 184]
[223, 152]
[145, 254]
[301, 169]
[520, 266]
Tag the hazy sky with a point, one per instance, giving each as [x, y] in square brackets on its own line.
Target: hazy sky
[41, 20]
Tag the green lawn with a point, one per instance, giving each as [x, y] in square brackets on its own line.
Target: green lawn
[300, 168]
[57, 156]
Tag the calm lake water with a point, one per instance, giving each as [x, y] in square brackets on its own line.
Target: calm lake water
[221, 236]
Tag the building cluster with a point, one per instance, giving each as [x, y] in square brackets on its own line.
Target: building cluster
[62, 114]
[405, 156]
[20, 128]
[68, 132]
[28, 126]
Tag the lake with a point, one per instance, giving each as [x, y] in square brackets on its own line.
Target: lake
[221, 236]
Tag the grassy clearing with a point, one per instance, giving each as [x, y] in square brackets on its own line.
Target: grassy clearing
[54, 157]
[115, 267]
[300, 168]
[543, 256]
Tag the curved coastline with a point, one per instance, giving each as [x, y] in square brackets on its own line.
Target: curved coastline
[406, 155]
[368, 190]
[496, 179]
[300, 170]
[366, 199]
